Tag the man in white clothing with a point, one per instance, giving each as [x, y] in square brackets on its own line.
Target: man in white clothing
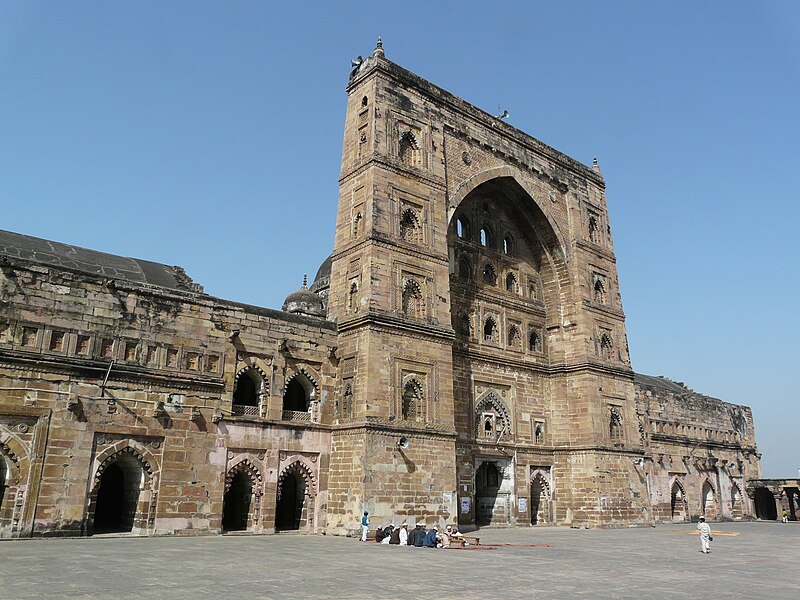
[404, 534]
[705, 535]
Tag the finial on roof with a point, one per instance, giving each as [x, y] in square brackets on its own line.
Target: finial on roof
[378, 48]
[305, 280]
[595, 165]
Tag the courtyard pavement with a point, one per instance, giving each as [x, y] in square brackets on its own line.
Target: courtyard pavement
[761, 561]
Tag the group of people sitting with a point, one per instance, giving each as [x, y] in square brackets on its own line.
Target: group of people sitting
[419, 536]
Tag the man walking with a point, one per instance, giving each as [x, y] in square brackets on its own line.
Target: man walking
[364, 526]
[705, 535]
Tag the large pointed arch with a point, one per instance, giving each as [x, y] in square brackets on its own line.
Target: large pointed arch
[492, 417]
[504, 173]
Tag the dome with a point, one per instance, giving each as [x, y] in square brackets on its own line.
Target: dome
[323, 277]
[304, 302]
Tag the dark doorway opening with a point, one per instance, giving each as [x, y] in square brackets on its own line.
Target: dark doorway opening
[295, 398]
[117, 498]
[765, 504]
[3, 476]
[487, 486]
[236, 503]
[291, 500]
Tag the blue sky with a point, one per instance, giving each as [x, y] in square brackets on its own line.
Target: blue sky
[209, 135]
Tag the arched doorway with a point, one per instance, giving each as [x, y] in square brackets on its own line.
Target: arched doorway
[737, 510]
[708, 506]
[236, 503]
[118, 496]
[291, 501]
[540, 500]
[246, 393]
[487, 488]
[765, 504]
[678, 503]
[3, 478]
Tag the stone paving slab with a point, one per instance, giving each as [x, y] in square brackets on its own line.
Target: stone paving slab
[763, 561]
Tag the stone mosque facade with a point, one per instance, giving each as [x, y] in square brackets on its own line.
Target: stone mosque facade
[460, 357]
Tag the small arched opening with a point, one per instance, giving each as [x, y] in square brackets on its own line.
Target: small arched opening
[464, 269]
[511, 283]
[298, 395]
[765, 504]
[118, 496]
[410, 150]
[462, 228]
[678, 503]
[599, 292]
[534, 341]
[489, 274]
[246, 394]
[413, 402]
[291, 505]
[412, 299]
[490, 330]
[540, 500]
[513, 337]
[237, 502]
[409, 226]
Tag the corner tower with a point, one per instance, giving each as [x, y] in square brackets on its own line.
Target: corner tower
[389, 292]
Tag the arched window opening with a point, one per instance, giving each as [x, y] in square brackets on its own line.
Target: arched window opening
[511, 283]
[413, 401]
[489, 275]
[236, 503]
[462, 228]
[246, 391]
[347, 401]
[486, 237]
[606, 346]
[364, 101]
[513, 337]
[533, 291]
[357, 223]
[490, 330]
[409, 226]
[508, 245]
[412, 299]
[594, 229]
[352, 297]
[534, 341]
[464, 327]
[410, 149]
[615, 424]
[464, 269]
[296, 398]
[599, 291]
[538, 433]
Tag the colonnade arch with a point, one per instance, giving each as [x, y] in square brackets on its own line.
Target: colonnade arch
[123, 494]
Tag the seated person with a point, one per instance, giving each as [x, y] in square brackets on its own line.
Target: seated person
[431, 538]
